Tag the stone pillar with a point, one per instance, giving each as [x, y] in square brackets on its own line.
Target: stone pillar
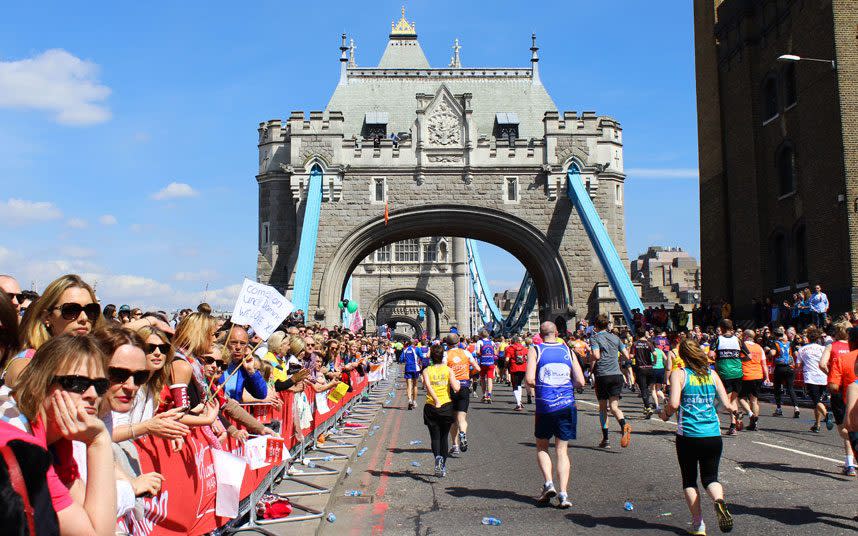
[460, 284]
[430, 322]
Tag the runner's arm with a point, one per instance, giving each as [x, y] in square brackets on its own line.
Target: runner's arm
[851, 420]
[577, 374]
[530, 373]
[825, 359]
[677, 377]
[429, 391]
[454, 383]
[722, 394]
[474, 363]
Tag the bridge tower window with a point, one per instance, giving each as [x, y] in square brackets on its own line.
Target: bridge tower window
[511, 189]
[379, 190]
[382, 254]
[408, 250]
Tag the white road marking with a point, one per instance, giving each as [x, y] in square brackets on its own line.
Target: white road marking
[795, 451]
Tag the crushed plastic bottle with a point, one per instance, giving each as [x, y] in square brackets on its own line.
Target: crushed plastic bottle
[376, 427]
[327, 458]
[348, 471]
[415, 442]
[331, 517]
[491, 521]
[361, 452]
[415, 464]
[311, 465]
[629, 506]
[354, 493]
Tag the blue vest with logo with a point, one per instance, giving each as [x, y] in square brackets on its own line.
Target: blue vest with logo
[487, 352]
[554, 389]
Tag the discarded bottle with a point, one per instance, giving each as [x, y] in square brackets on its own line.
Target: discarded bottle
[331, 517]
[415, 442]
[327, 458]
[354, 493]
[491, 521]
[348, 471]
[415, 464]
[376, 427]
[629, 506]
[361, 452]
[311, 465]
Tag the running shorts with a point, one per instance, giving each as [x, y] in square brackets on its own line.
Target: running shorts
[562, 424]
[487, 371]
[658, 376]
[411, 375]
[838, 407]
[501, 363]
[815, 392]
[517, 379]
[750, 388]
[733, 385]
[609, 386]
[462, 399]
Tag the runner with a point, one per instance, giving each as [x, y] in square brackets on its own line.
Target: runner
[658, 376]
[728, 352]
[460, 362]
[605, 347]
[486, 354]
[502, 372]
[554, 374]
[517, 364]
[411, 358]
[698, 432]
[440, 385]
[841, 372]
[582, 353]
[781, 352]
[815, 380]
[754, 371]
[643, 359]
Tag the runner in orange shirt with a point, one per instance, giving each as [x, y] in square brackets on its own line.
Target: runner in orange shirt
[841, 373]
[460, 362]
[754, 371]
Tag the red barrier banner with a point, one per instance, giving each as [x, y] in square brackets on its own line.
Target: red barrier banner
[186, 504]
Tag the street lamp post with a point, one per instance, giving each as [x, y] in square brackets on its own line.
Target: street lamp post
[788, 58]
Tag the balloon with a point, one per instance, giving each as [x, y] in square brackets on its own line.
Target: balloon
[341, 305]
[352, 306]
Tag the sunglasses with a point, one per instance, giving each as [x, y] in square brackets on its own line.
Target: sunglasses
[13, 296]
[210, 360]
[120, 375]
[163, 348]
[70, 311]
[81, 384]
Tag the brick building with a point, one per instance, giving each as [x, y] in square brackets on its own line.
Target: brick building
[778, 145]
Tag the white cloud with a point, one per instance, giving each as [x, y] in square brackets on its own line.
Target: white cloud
[107, 219]
[662, 173]
[175, 190]
[20, 211]
[77, 223]
[77, 252]
[202, 275]
[58, 82]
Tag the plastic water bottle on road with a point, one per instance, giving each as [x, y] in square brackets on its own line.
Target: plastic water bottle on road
[629, 506]
[331, 517]
[354, 493]
[491, 521]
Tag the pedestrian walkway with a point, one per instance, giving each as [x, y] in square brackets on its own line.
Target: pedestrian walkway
[782, 479]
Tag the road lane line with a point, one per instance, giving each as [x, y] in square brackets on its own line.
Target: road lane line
[796, 451]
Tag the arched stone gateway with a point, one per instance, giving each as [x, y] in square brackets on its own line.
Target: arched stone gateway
[436, 317]
[418, 329]
[449, 153]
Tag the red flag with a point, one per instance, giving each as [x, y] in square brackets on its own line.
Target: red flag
[386, 213]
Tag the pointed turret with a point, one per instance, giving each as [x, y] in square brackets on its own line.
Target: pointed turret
[403, 50]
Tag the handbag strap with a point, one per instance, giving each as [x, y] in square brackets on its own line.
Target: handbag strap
[19, 485]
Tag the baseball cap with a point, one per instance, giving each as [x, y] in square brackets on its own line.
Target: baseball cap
[125, 309]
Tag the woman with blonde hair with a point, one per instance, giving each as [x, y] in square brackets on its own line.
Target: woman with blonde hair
[68, 305]
[55, 402]
[698, 432]
[194, 338]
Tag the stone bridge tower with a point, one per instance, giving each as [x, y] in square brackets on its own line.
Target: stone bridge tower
[452, 152]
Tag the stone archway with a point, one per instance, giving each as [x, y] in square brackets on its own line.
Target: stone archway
[415, 325]
[433, 303]
[529, 245]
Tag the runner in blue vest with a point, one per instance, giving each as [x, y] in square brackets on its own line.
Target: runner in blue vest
[411, 357]
[555, 375]
[486, 356]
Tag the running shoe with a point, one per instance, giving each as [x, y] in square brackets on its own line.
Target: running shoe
[829, 421]
[725, 520]
[439, 466]
[519, 408]
[604, 444]
[753, 426]
[443, 468]
[850, 471]
[563, 501]
[548, 493]
[463, 441]
[627, 435]
[778, 412]
[796, 414]
[411, 405]
[732, 430]
[489, 399]
[814, 429]
[455, 450]
[740, 423]
[529, 400]
[647, 412]
[699, 530]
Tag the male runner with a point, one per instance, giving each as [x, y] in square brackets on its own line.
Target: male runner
[841, 373]
[754, 371]
[728, 352]
[582, 353]
[555, 374]
[516, 356]
[815, 381]
[605, 348]
[411, 357]
[460, 362]
[642, 350]
[487, 353]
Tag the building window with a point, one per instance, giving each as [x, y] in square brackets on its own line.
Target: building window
[801, 253]
[511, 189]
[790, 88]
[506, 126]
[408, 250]
[379, 190]
[430, 250]
[770, 98]
[785, 162]
[780, 260]
[265, 233]
[618, 192]
[382, 254]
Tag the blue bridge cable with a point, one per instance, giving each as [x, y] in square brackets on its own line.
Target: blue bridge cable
[618, 276]
[309, 237]
[479, 293]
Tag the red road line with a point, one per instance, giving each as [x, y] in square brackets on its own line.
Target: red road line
[381, 507]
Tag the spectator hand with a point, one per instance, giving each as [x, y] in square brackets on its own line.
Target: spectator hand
[147, 484]
[301, 375]
[268, 431]
[239, 435]
[177, 444]
[166, 426]
[73, 421]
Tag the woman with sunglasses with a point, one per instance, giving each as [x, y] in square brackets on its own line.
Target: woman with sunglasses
[68, 305]
[55, 402]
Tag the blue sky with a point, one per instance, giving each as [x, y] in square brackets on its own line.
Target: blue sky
[128, 130]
